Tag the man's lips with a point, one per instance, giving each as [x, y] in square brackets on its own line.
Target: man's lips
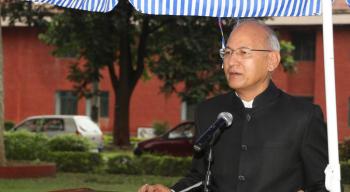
[235, 73]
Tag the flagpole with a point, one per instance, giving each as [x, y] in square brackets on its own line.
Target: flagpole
[333, 169]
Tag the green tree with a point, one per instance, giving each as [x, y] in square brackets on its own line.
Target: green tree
[179, 50]
[104, 40]
[116, 40]
[189, 55]
[24, 12]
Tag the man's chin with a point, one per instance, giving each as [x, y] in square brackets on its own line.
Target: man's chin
[236, 87]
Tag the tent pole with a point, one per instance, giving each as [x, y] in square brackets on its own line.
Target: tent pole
[333, 168]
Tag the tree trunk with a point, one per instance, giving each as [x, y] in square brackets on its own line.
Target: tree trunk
[128, 74]
[121, 135]
[2, 146]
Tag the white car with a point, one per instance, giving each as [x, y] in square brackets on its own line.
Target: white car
[53, 125]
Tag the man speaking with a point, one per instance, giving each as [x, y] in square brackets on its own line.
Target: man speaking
[276, 142]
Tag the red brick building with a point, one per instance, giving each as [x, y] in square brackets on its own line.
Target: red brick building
[35, 82]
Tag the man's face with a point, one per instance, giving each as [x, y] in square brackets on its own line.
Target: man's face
[246, 69]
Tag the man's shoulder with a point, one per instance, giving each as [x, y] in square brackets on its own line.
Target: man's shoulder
[218, 99]
[298, 103]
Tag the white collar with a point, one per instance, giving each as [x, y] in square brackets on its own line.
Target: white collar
[247, 104]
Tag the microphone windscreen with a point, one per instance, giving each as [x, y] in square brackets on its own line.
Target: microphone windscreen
[227, 117]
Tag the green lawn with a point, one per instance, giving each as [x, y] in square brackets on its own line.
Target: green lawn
[105, 182]
[98, 182]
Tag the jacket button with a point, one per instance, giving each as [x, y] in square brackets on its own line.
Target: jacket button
[249, 117]
[241, 178]
[244, 147]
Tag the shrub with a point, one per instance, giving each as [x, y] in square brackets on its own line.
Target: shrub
[24, 145]
[149, 164]
[70, 142]
[345, 172]
[160, 127]
[107, 139]
[164, 165]
[174, 166]
[9, 125]
[344, 150]
[123, 164]
[69, 161]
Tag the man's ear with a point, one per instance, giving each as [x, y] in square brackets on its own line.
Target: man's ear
[274, 60]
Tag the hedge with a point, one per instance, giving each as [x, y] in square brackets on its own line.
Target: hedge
[70, 142]
[344, 150]
[345, 172]
[149, 164]
[9, 125]
[76, 161]
[123, 164]
[69, 152]
[24, 145]
[171, 166]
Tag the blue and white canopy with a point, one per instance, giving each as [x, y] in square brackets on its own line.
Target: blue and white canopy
[229, 8]
[248, 8]
[212, 8]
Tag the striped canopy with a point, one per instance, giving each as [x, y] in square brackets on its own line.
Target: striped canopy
[248, 8]
[212, 8]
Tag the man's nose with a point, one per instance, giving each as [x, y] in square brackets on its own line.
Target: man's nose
[233, 60]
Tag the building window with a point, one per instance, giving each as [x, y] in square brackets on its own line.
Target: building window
[104, 103]
[305, 43]
[66, 103]
[187, 111]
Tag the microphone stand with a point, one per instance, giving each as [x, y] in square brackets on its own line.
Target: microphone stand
[207, 179]
[208, 173]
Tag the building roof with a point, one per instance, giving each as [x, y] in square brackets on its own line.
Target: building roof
[338, 19]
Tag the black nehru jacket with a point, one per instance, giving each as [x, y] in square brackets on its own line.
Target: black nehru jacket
[280, 145]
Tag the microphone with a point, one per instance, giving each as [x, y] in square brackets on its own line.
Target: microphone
[224, 119]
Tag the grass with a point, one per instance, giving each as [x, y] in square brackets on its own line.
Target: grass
[103, 183]
[98, 182]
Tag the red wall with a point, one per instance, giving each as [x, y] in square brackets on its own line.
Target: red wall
[30, 84]
[309, 79]
[32, 77]
[342, 72]
[300, 83]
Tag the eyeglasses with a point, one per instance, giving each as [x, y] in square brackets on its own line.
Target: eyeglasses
[242, 52]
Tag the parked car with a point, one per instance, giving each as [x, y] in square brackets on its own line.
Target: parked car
[178, 141]
[53, 125]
